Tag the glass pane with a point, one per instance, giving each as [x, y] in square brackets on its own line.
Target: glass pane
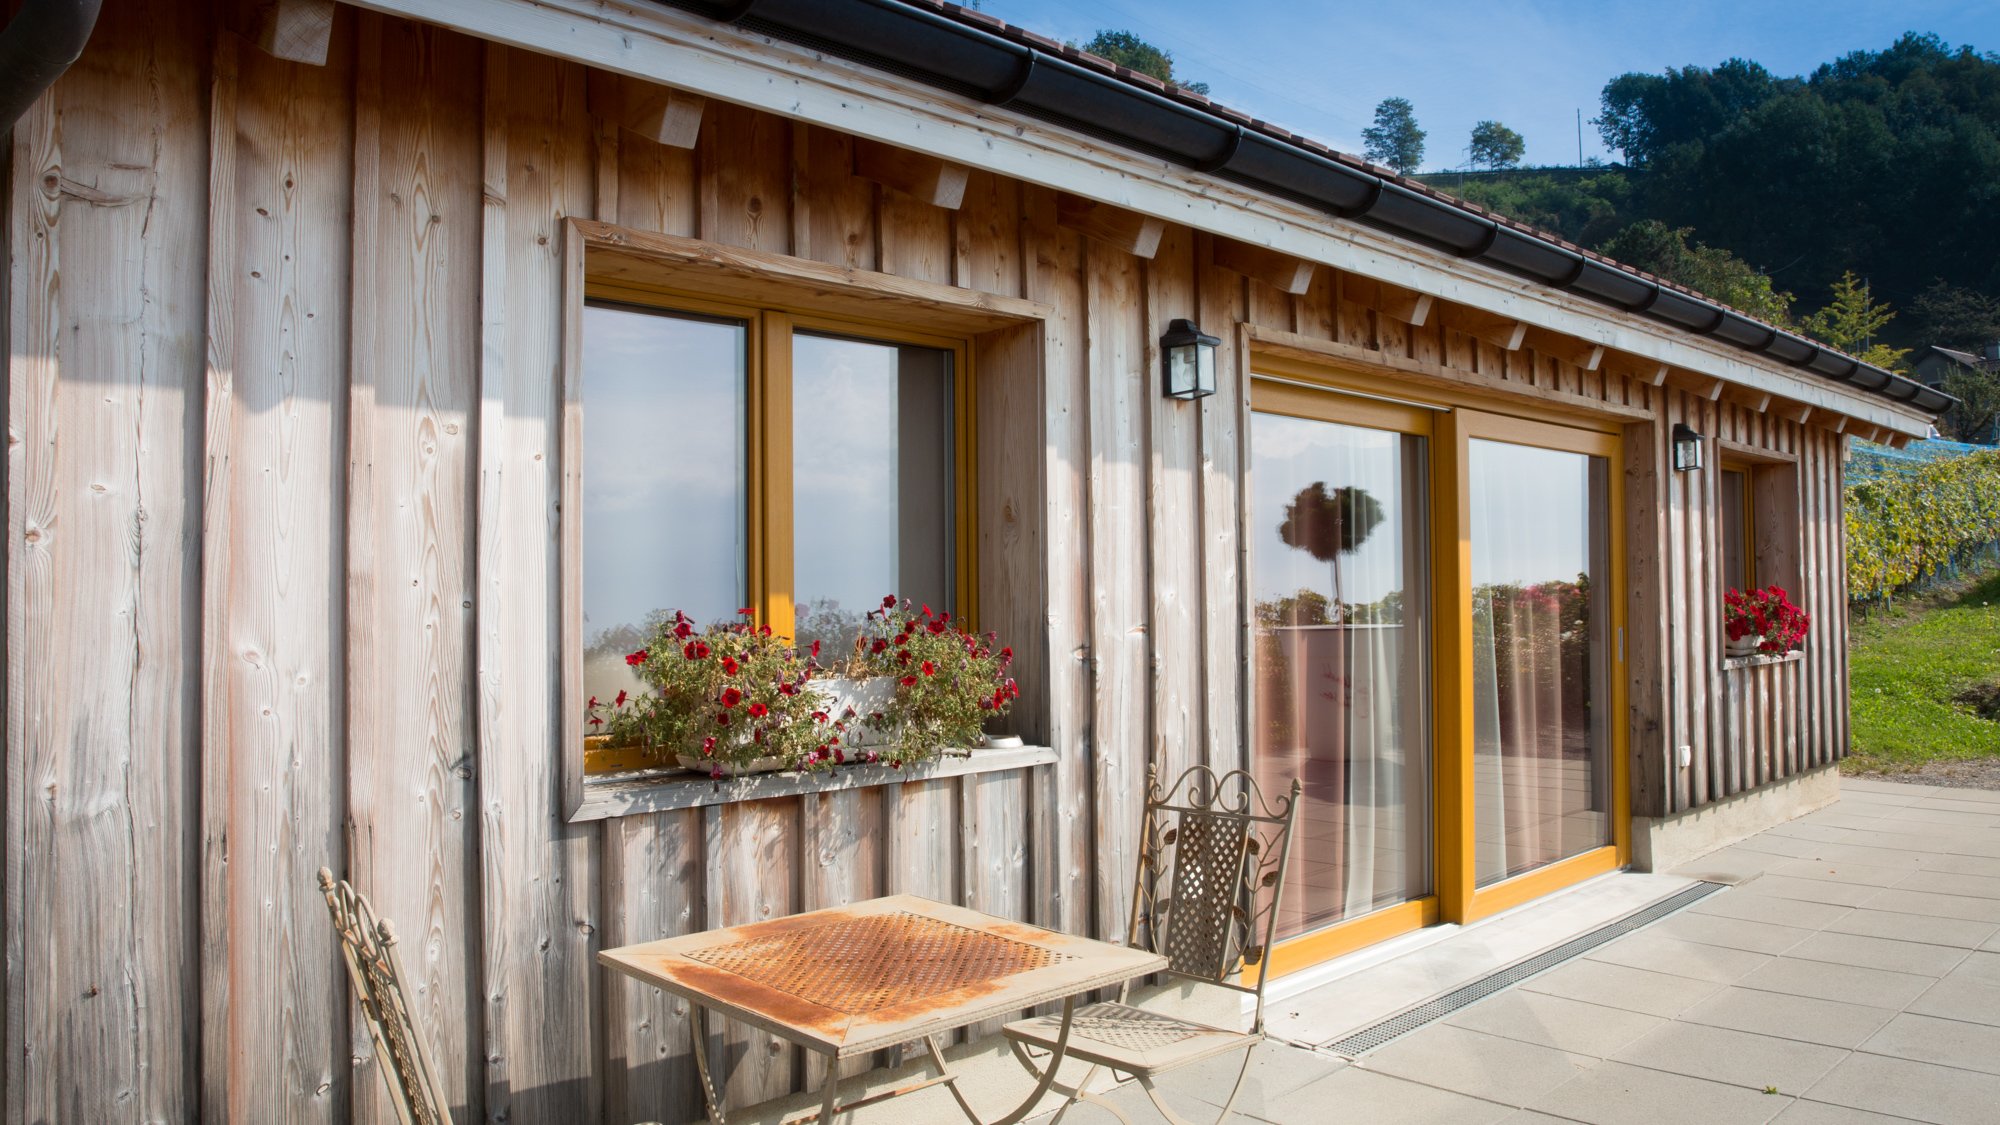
[1541, 763]
[1735, 558]
[872, 478]
[664, 499]
[1339, 577]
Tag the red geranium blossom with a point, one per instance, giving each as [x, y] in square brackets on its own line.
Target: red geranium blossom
[758, 710]
[929, 668]
[729, 665]
[634, 659]
[908, 681]
[731, 697]
[618, 702]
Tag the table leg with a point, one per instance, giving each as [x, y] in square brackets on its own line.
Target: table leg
[831, 1084]
[1048, 1076]
[710, 1094]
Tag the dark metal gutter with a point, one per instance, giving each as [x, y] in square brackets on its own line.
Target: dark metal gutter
[1003, 66]
[39, 43]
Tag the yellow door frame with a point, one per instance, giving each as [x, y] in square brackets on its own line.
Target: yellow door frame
[1350, 397]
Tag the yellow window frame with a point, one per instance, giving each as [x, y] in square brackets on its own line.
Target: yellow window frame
[768, 459]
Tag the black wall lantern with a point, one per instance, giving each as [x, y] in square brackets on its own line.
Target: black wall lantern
[1687, 448]
[1188, 361]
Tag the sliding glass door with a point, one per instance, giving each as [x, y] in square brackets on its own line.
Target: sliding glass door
[1436, 651]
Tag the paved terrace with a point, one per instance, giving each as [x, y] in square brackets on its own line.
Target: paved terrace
[1852, 974]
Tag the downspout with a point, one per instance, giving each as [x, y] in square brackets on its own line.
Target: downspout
[41, 42]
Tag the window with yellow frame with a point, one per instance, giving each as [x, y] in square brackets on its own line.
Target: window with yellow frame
[737, 458]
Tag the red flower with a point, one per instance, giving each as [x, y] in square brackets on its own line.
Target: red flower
[634, 659]
[902, 638]
[927, 611]
[764, 632]
[815, 648]
[758, 710]
[683, 631]
[909, 681]
[888, 601]
[880, 645]
[593, 700]
[701, 649]
[618, 702]
[929, 668]
[596, 722]
[788, 689]
[819, 716]
[937, 626]
[746, 611]
[729, 665]
[731, 697]
[902, 658]
[722, 718]
[1007, 654]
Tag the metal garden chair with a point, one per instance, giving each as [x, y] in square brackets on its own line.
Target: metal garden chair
[1211, 870]
[369, 946]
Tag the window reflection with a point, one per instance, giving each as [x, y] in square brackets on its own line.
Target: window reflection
[1540, 746]
[871, 481]
[664, 500]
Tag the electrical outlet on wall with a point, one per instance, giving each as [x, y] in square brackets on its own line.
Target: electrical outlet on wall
[1686, 756]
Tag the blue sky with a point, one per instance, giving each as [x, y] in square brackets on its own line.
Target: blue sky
[1319, 68]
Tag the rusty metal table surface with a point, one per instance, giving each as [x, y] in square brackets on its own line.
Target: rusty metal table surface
[852, 979]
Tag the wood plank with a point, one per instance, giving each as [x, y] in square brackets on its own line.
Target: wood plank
[1648, 610]
[1651, 372]
[101, 315]
[1119, 405]
[539, 874]
[914, 239]
[746, 185]
[414, 392]
[922, 177]
[842, 862]
[298, 31]
[1172, 522]
[656, 187]
[283, 619]
[987, 229]
[660, 114]
[664, 263]
[750, 875]
[1433, 374]
[611, 796]
[1052, 275]
[1115, 227]
[1503, 332]
[1224, 578]
[839, 206]
[652, 889]
[1284, 272]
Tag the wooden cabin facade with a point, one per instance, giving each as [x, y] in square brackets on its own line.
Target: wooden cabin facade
[294, 312]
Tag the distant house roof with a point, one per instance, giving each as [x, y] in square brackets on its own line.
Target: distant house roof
[975, 55]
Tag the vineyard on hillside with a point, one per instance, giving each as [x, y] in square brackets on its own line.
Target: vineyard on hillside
[1919, 516]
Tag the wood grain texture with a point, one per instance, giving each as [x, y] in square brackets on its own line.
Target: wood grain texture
[414, 393]
[1224, 577]
[102, 298]
[1173, 515]
[538, 873]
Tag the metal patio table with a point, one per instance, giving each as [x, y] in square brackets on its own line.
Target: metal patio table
[853, 979]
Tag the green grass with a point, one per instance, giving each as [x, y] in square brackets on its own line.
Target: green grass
[1915, 672]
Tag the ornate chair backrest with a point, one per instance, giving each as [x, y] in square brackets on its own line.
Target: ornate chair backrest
[369, 945]
[1212, 855]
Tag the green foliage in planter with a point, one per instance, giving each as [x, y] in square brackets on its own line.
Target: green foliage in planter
[949, 681]
[1905, 527]
[727, 695]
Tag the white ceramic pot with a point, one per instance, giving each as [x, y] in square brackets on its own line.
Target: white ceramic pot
[864, 697]
[1746, 646]
[730, 769]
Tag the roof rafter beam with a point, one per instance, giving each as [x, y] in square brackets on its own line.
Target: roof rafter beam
[1393, 301]
[940, 183]
[1503, 332]
[1136, 234]
[658, 113]
[1577, 353]
[1287, 273]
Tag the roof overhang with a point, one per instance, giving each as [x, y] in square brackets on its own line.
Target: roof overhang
[725, 61]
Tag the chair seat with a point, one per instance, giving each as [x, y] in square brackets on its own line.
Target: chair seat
[1129, 1039]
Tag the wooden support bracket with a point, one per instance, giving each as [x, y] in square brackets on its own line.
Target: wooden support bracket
[1792, 411]
[1503, 332]
[1275, 268]
[1701, 386]
[1752, 399]
[1393, 301]
[1569, 349]
[296, 30]
[1651, 372]
[1136, 234]
[660, 114]
[1898, 441]
[937, 182]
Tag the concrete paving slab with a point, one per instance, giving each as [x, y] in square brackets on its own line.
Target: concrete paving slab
[1949, 1042]
[1613, 1093]
[1621, 986]
[1879, 953]
[1648, 950]
[1355, 1094]
[1809, 890]
[1960, 1000]
[1904, 1088]
[1739, 1058]
[1950, 883]
[1878, 988]
[1803, 1112]
[1844, 871]
[1736, 903]
[1556, 1021]
[1941, 906]
[1959, 933]
[1490, 1067]
[1276, 1071]
[1810, 1019]
[1979, 967]
[1731, 933]
[1963, 865]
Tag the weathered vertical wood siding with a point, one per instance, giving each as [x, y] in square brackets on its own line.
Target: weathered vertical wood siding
[283, 473]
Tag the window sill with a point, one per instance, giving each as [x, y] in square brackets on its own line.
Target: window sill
[1730, 663]
[648, 791]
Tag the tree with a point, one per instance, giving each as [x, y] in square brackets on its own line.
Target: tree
[1329, 524]
[1394, 139]
[1954, 317]
[1134, 53]
[1978, 395]
[1495, 146]
[1666, 251]
[1852, 321]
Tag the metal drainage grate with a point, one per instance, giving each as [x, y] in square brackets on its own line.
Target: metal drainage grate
[1369, 1038]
